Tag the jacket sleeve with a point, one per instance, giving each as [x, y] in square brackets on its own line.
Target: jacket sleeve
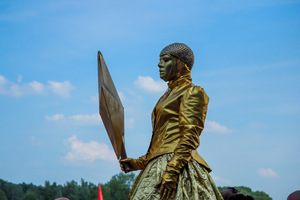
[192, 114]
[141, 162]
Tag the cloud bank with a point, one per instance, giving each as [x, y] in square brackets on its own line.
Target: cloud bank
[89, 152]
[267, 173]
[147, 84]
[62, 89]
[212, 126]
[79, 119]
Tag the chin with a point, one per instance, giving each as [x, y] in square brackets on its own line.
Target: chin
[163, 78]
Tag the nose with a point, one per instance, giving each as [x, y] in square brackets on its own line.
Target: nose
[160, 64]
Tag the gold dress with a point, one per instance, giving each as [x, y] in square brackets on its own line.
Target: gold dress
[177, 120]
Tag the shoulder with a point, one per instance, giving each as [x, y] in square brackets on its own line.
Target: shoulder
[196, 93]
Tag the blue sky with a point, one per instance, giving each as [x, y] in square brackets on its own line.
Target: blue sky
[247, 58]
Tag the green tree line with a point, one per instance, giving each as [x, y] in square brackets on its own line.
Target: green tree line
[117, 188]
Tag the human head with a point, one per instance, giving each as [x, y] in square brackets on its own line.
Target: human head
[180, 51]
[167, 67]
[294, 196]
[226, 193]
[232, 193]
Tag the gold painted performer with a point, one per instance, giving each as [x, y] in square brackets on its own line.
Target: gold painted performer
[172, 168]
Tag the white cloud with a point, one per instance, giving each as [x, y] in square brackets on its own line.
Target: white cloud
[267, 173]
[16, 90]
[3, 80]
[220, 179]
[81, 119]
[37, 87]
[147, 84]
[212, 126]
[62, 89]
[77, 120]
[7, 87]
[88, 152]
[122, 96]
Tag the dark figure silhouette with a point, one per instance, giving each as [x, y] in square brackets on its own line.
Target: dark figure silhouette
[294, 196]
[231, 193]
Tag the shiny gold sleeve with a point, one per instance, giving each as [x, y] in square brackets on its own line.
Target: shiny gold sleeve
[141, 162]
[192, 114]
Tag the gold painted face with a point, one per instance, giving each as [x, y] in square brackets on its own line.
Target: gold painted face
[167, 67]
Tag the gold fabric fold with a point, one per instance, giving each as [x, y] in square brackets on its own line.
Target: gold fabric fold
[141, 163]
[194, 182]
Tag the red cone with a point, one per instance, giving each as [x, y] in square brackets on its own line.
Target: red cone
[100, 193]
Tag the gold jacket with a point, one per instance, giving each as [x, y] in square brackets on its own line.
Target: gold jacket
[178, 120]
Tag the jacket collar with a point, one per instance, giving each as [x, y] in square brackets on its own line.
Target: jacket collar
[186, 78]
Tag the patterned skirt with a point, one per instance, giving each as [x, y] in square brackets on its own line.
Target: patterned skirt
[194, 182]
